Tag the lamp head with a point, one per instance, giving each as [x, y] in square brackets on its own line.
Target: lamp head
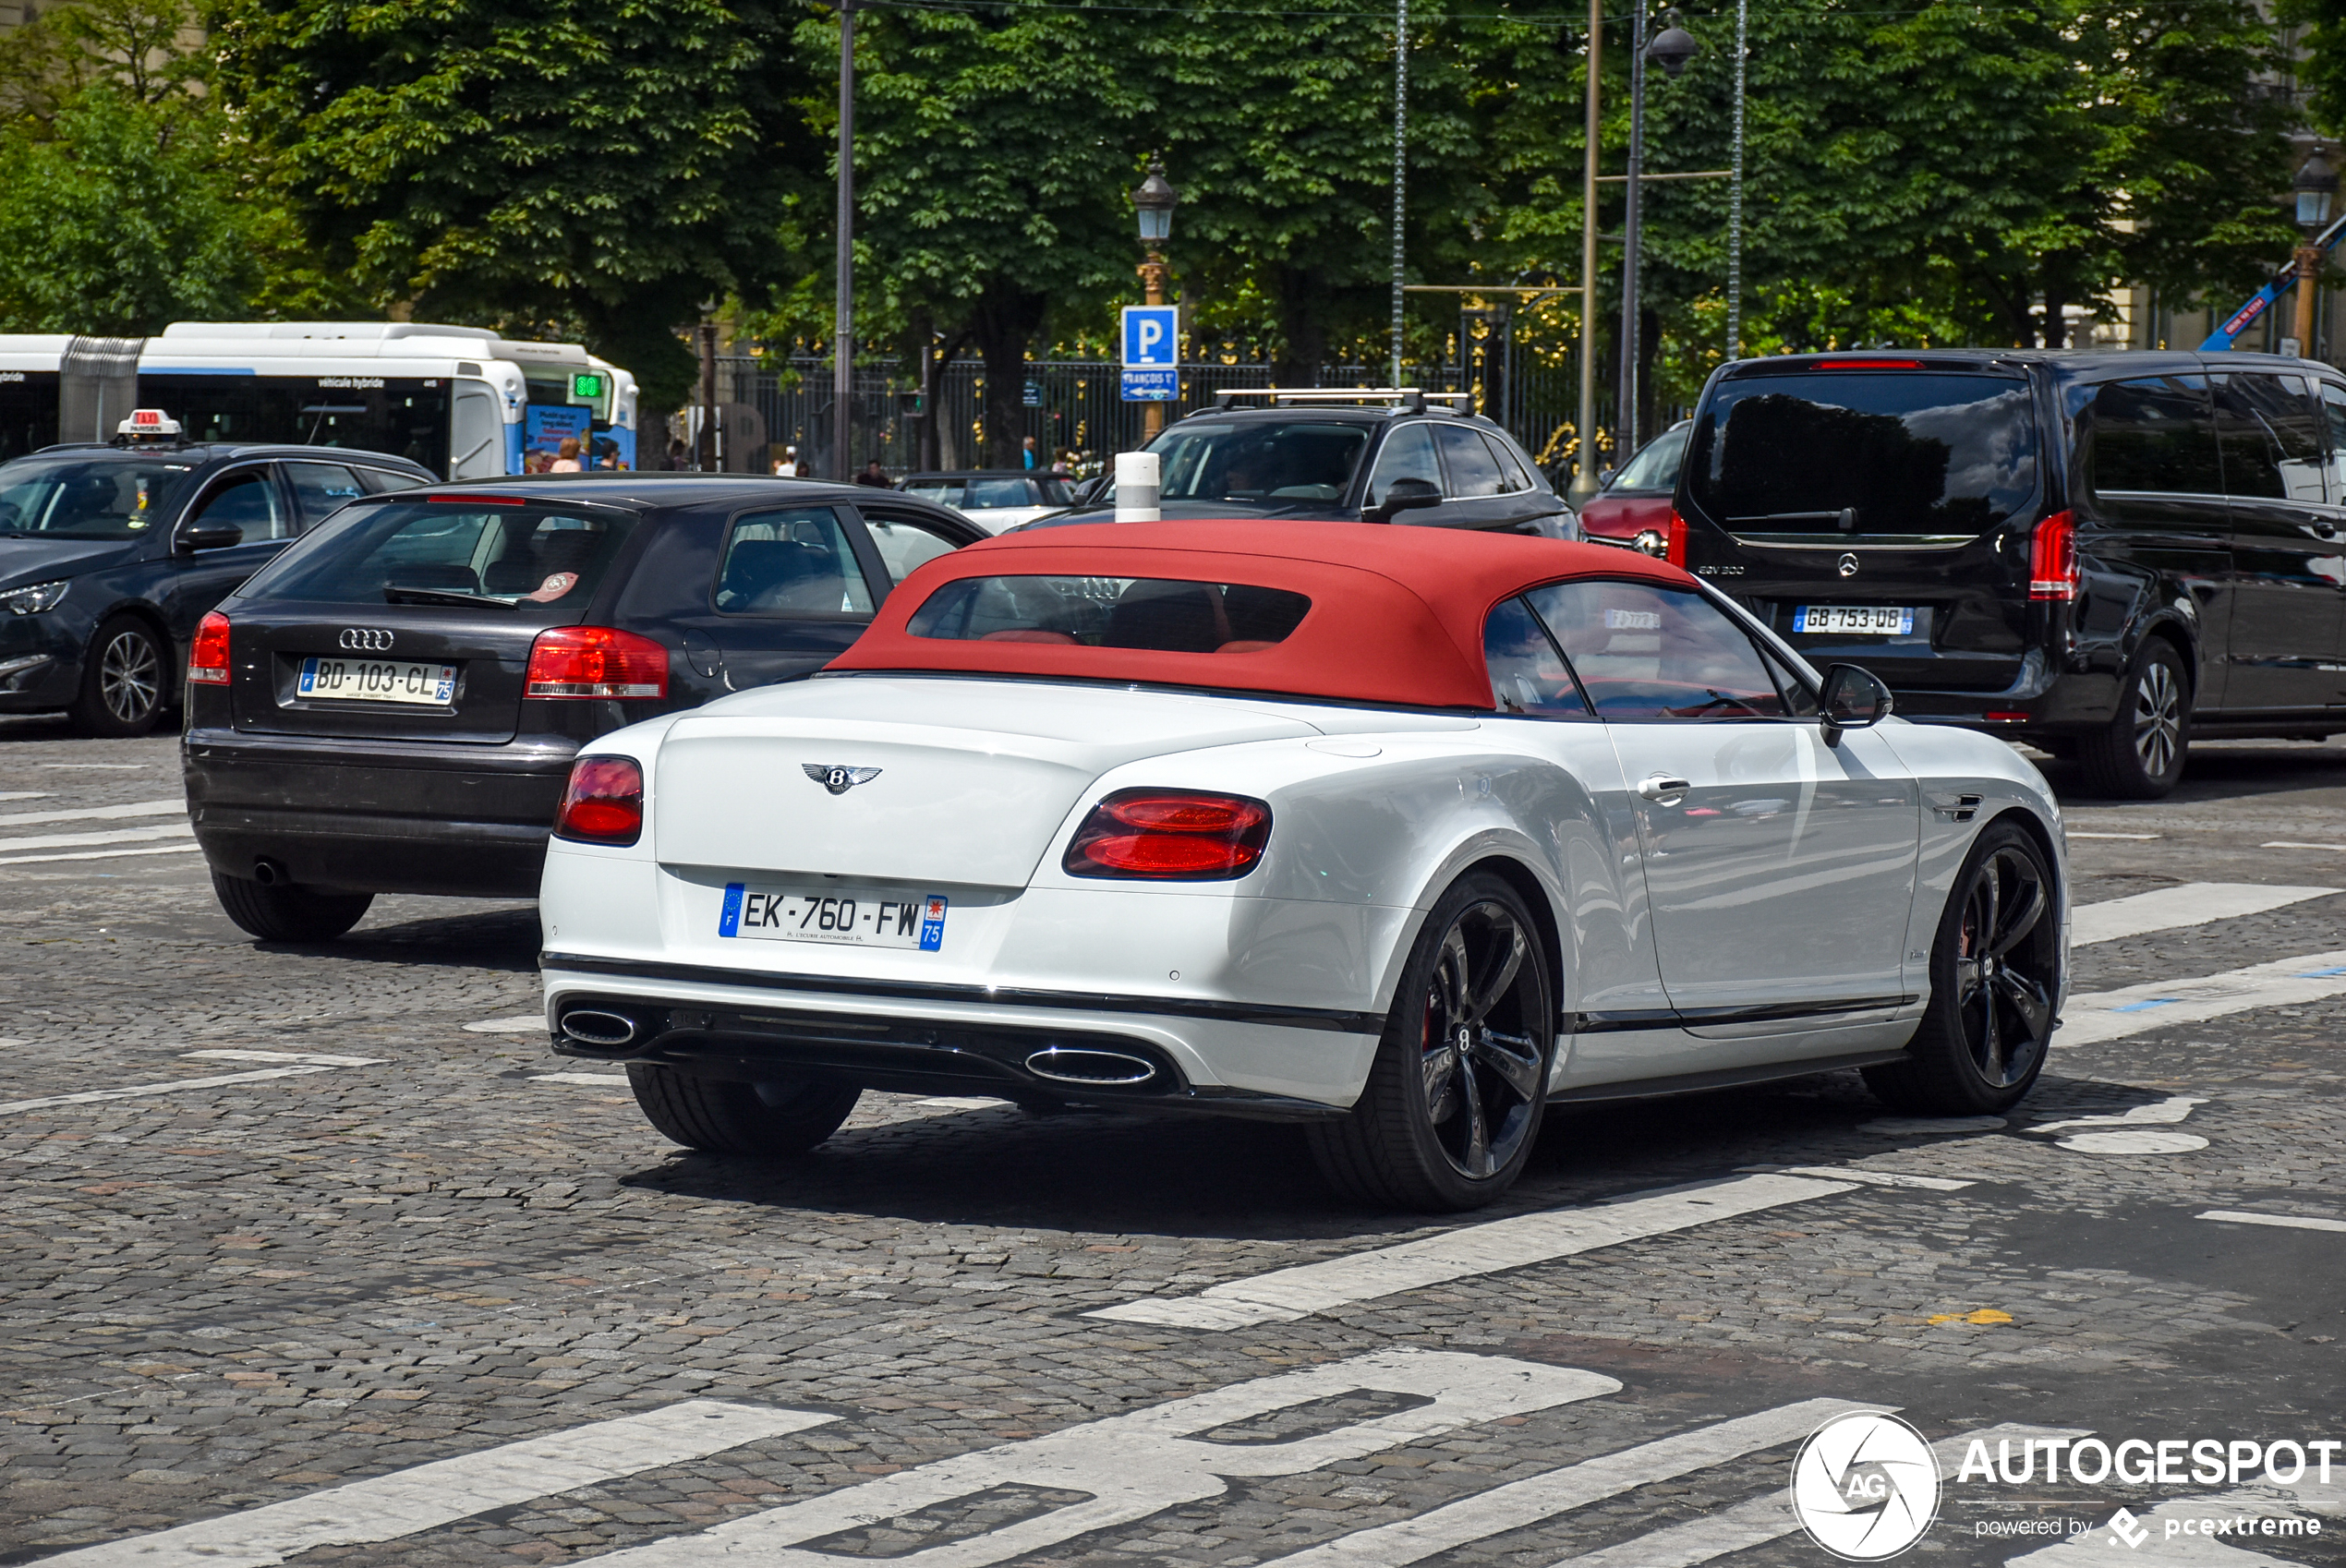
[1673, 46]
[2315, 184]
[1155, 201]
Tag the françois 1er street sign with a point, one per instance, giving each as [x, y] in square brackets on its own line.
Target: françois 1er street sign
[1152, 353]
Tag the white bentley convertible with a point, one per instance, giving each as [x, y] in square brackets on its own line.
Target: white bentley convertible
[1400, 833]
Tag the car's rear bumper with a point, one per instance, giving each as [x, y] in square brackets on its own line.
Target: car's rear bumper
[1140, 1052]
[377, 817]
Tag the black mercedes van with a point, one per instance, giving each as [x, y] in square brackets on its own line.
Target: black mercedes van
[2102, 554]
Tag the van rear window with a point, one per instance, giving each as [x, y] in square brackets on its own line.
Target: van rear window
[1158, 613]
[532, 558]
[1899, 452]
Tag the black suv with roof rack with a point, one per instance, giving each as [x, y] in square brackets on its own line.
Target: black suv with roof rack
[1363, 455]
[2100, 554]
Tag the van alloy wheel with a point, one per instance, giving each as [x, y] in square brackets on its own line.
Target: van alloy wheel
[2158, 719]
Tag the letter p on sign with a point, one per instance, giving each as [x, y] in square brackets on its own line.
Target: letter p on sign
[1151, 333]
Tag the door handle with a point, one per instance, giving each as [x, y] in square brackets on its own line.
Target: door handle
[1663, 788]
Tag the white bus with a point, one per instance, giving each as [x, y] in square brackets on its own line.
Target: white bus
[461, 401]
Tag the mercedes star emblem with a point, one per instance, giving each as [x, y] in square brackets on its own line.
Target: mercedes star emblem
[1848, 566]
[839, 780]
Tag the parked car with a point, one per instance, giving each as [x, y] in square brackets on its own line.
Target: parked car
[1352, 457]
[111, 554]
[994, 498]
[393, 706]
[1633, 507]
[1272, 820]
[2102, 554]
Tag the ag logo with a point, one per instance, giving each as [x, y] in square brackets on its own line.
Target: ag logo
[1865, 1487]
[1848, 566]
[839, 780]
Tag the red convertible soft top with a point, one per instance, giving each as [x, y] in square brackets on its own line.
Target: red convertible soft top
[1396, 613]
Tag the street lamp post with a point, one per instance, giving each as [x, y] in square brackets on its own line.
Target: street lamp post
[1735, 197]
[1155, 201]
[1671, 49]
[843, 319]
[1584, 457]
[2316, 184]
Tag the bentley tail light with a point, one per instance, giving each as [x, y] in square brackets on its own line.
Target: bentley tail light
[2053, 558]
[1171, 836]
[595, 661]
[1677, 554]
[603, 803]
[208, 659]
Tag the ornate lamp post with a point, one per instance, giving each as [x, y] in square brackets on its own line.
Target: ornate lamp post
[1671, 49]
[1155, 201]
[2317, 185]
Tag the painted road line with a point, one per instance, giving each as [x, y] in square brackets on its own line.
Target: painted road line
[24, 794]
[520, 1023]
[1285, 1295]
[1138, 1463]
[2074, 834]
[101, 854]
[961, 1103]
[1765, 1518]
[1870, 1178]
[2286, 1221]
[599, 1080]
[1535, 1498]
[427, 1496]
[135, 1091]
[2169, 909]
[313, 1058]
[2099, 1016]
[2287, 844]
[176, 806]
[86, 840]
[110, 767]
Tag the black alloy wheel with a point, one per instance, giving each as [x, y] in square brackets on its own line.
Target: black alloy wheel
[2139, 755]
[122, 680]
[1455, 1099]
[1995, 973]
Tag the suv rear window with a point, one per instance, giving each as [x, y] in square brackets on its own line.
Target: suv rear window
[535, 559]
[1159, 614]
[1258, 460]
[1853, 452]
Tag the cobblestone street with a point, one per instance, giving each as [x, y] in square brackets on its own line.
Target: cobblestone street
[284, 1219]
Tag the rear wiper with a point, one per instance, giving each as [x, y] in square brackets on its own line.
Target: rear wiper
[441, 596]
[1847, 517]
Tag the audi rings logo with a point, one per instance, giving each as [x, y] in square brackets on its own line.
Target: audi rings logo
[1865, 1487]
[366, 639]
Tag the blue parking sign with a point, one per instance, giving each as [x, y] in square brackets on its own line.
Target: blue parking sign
[1151, 337]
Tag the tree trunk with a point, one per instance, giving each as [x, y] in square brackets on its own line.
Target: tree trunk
[2056, 316]
[1303, 327]
[1003, 324]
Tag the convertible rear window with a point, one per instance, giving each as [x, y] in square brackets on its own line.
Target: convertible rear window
[494, 554]
[1160, 613]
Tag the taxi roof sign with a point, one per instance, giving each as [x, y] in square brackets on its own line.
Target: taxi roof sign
[147, 422]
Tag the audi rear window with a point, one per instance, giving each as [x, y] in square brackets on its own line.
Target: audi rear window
[538, 560]
[1159, 614]
[1864, 451]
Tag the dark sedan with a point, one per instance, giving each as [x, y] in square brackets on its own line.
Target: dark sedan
[393, 706]
[110, 555]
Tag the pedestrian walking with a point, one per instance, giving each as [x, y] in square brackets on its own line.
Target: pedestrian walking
[875, 476]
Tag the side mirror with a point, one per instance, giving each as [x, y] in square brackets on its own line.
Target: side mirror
[1402, 495]
[1083, 493]
[1852, 699]
[216, 536]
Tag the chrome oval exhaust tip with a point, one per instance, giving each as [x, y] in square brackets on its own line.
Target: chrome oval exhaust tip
[1062, 1064]
[592, 1026]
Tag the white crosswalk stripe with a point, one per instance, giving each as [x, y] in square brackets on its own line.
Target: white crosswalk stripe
[2187, 904]
[176, 806]
[2095, 1016]
[297, 1067]
[80, 841]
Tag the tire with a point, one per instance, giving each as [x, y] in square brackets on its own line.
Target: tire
[1983, 1040]
[126, 680]
[288, 914]
[1455, 1095]
[721, 1117]
[2140, 755]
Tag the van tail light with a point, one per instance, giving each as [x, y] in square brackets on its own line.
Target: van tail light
[603, 803]
[208, 658]
[2053, 558]
[1677, 554]
[1171, 836]
[595, 661]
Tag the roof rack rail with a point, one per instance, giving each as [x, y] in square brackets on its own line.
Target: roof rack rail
[1408, 400]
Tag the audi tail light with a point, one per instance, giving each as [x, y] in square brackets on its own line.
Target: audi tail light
[1676, 553]
[208, 659]
[1169, 835]
[603, 803]
[2053, 571]
[595, 661]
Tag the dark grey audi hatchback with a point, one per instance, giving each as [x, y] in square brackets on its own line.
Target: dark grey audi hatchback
[393, 704]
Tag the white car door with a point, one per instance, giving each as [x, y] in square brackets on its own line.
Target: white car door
[1781, 870]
